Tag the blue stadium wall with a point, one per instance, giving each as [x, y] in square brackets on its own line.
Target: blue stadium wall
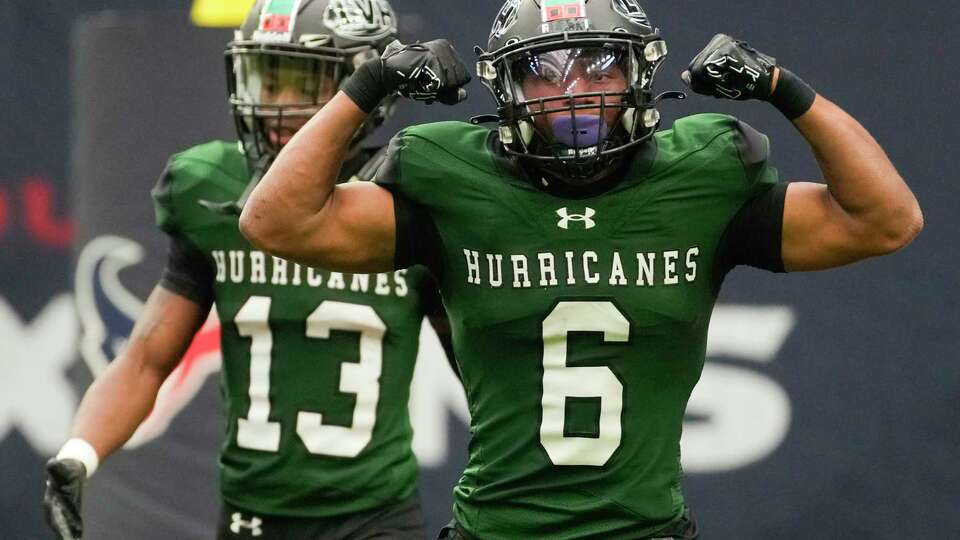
[829, 404]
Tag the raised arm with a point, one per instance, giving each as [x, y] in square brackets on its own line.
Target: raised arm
[865, 209]
[299, 212]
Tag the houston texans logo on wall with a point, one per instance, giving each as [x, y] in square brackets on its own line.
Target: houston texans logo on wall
[108, 311]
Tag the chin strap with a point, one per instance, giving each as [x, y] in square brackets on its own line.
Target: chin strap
[233, 208]
[672, 94]
[484, 119]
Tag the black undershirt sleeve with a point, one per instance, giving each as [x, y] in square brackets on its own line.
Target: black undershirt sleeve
[189, 273]
[754, 236]
[418, 241]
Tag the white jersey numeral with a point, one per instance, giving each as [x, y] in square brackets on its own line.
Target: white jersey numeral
[561, 381]
[256, 432]
[362, 379]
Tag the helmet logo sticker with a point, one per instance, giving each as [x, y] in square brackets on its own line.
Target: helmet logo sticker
[315, 40]
[366, 20]
[505, 19]
[631, 10]
[557, 10]
[277, 18]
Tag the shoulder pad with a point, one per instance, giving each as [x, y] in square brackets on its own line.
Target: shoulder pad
[724, 151]
[215, 170]
[369, 169]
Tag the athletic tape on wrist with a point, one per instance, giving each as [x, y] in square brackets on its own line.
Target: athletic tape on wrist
[792, 97]
[81, 451]
[365, 86]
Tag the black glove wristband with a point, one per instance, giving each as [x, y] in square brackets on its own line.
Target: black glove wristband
[792, 97]
[366, 86]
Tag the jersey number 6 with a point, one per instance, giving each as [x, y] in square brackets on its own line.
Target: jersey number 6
[561, 381]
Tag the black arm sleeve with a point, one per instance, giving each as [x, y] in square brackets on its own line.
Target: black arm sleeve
[188, 273]
[754, 236]
[418, 241]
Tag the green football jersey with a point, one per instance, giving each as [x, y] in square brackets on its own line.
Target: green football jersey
[579, 325]
[317, 365]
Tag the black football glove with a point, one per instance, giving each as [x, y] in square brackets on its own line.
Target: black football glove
[431, 71]
[731, 69]
[428, 72]
[61, 500]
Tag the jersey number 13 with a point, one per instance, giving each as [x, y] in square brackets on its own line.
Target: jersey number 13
[257, 432]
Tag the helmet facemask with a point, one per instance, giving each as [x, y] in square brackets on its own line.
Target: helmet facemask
[572, 104]
[275, 89]
[287, 60]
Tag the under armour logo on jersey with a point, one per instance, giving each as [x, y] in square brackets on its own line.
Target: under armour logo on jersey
[586, 217]
[237, 523]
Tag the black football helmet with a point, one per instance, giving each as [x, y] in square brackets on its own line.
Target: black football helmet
[291, 56]
[573, 84]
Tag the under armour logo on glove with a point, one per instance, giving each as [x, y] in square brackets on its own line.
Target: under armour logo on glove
[431, 71]
[731, 69]
[586, 218]
[237, 524]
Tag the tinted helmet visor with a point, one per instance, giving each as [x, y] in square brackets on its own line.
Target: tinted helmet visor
[573, 96]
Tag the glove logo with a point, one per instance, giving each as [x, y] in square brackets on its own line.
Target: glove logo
[237, 523]
[365, 20]
[427, 83]
[586, 218]
[631, 9]
[727, 68]
[718, 67]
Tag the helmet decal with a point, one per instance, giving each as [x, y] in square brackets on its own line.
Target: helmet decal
[367, 20]
[556, 10]
[277, 18]
[505, 19]
[631, 10]
[315, 40]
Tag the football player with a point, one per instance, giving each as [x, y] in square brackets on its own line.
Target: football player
[579, 250]
[317, 364]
